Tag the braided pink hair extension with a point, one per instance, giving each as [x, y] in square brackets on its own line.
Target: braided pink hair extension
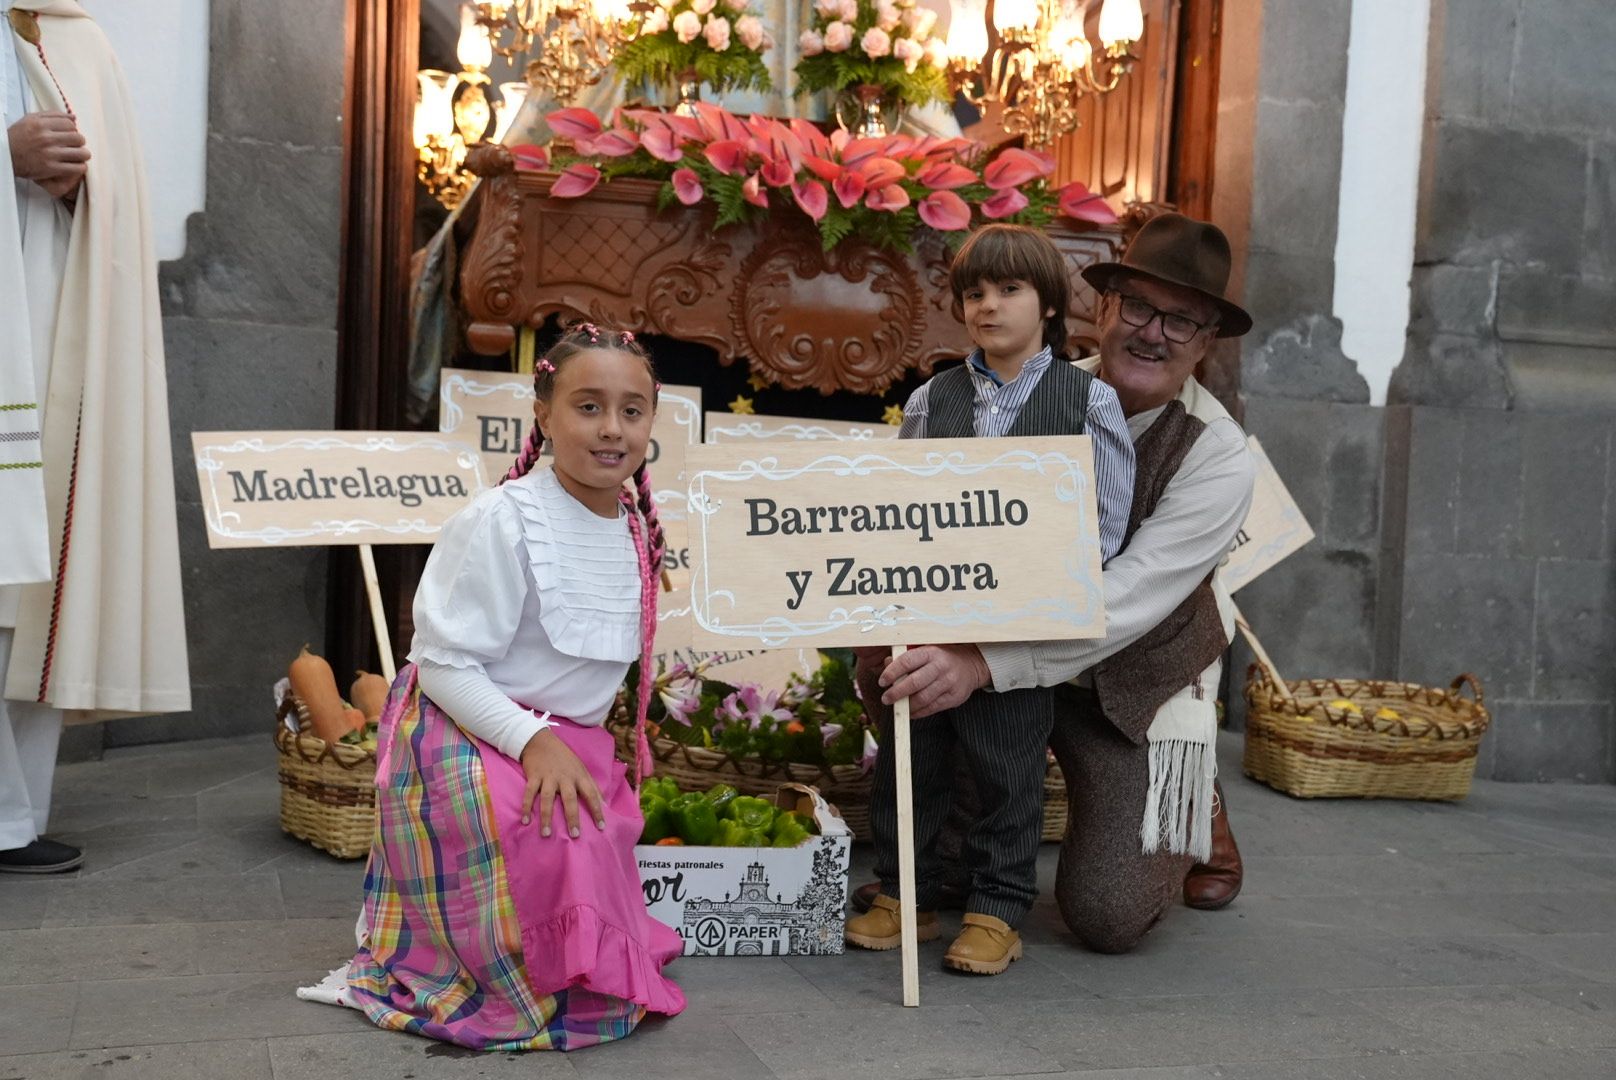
[528, 457]
[648, 625]
[648, 510]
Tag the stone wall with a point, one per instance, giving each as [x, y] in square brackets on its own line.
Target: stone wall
[250, 326]
[1467, 526]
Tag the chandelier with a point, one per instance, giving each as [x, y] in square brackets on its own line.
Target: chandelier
[568, 45]
[1042, 66]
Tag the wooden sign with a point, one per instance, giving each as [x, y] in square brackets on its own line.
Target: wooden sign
[1274, 528]
[493, 411]
[729, 428]
[769, 668]
[310, 488]
[927, 540]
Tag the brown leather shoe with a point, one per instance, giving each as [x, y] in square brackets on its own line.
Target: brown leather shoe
[985, 947]
[881, 927]
[950, 897]
[1214, 883]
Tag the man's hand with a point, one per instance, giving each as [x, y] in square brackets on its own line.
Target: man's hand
[935, 677]
[554, 772]
[47, 148]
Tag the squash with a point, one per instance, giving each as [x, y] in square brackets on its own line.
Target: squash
[316, 687]
[369, 694]
[355, 721]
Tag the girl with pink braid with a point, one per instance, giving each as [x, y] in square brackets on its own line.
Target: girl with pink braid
[503, 907]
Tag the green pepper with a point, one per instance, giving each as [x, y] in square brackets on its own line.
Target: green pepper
[790, 819]
[658, 819]
[788, 832]
[721, 795]
[751, 812]
[732, 833]
[694, 818]
[660, 786]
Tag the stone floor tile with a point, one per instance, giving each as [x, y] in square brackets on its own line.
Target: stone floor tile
[1590, 956]
[693, 1044]
[330, 889]
[99, 901]
[302, 948]
[240, 851]
[864, 978]
[398, 1056]
[1463, 961]
[1196, 1030]
[725, 986]
[237, 1059]
[1528, 1065]
[95, 952]
[38, 1018]
[103, 853]
[895, 1043]
[197, 1007]
[25, 899]
[119, 816]
[1594, 1004]
[1488, 1018]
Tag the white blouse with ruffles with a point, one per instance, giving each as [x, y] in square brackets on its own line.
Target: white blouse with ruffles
[528, 597]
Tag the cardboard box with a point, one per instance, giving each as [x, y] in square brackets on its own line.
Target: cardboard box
[728, 901]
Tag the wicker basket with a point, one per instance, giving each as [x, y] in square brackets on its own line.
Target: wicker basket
[1401, 741]
[328, 790]
[846, 787]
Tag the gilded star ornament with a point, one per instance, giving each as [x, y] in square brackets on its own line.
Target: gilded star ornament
[893, 415]
[741, 406]
[758, 382]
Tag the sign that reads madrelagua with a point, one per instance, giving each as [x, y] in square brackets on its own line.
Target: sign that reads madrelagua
[1273, 531]
[908, 542]
[729, 428]
[493, 410]
[307, 488]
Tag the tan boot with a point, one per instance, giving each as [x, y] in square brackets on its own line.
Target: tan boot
[881, 928]
[985, 947]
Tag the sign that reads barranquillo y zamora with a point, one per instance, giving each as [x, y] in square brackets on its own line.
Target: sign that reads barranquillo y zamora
[310, 488]
[901, 542]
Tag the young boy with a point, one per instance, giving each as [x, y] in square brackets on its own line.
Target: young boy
[1011, 289]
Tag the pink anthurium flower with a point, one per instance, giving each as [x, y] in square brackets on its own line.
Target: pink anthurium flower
[777, 172]
[849, 188]
[728, 156]
[662, 141]
[528, 156]
[1012, 168]
[1005, 203]
[573, 123]
[944, 211]
[858, 149]
[946, 175]
[812, 139]
[820, 167]
[687, 186]
[899, 146]
[878, 172]
[811, 196]
[616, 143]
[575, 181]
[1078, 202]
[752, 191]
[891, 198]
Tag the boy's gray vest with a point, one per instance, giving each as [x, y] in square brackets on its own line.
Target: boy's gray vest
[1057, 405]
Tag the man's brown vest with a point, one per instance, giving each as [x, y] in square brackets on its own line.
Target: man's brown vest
[1134, 683]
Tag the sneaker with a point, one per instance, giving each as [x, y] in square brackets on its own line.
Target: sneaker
[41, 857]
[881, 928]
[985, 947]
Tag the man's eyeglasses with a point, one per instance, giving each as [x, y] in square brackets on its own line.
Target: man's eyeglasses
[1175, 328]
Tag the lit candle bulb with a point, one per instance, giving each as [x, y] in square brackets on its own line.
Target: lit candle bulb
[1121, 22]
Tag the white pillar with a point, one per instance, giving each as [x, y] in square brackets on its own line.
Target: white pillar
[163, 50]
[1381, 130]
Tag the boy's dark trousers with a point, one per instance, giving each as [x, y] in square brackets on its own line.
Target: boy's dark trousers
[1000, 739]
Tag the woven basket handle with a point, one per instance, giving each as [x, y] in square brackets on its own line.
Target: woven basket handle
[1471, 681]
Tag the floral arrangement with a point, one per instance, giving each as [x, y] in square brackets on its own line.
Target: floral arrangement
[885, 43]
[721, 41]
[813, 721]
[882, 189]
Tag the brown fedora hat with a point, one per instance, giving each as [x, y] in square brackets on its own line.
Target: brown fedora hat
[1179, 251]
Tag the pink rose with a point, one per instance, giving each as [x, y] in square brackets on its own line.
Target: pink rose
[849, 11]
[749, 28]
[717, 33]
[811, 43]
[919, 21]
[909, 51]
[687, 24]
[737, 6]
[877, 43]
[838, 36]
[887, 15]
[702, 7]
[656, 21]
[829, 9]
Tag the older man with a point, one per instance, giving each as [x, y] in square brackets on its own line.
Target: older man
[1136, 716]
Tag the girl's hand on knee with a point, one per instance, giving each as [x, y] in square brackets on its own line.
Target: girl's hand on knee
[553, 772]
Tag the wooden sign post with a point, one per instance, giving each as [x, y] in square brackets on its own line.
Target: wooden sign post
[898, 543]
[312, 488]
